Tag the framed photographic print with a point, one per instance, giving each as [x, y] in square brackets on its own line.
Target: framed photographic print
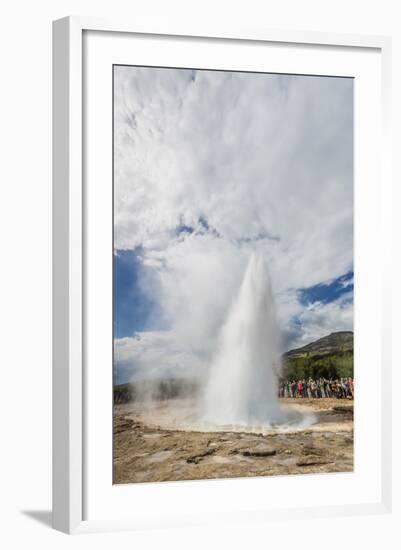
[219, 211]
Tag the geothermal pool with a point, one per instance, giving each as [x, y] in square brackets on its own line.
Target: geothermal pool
[184, 415]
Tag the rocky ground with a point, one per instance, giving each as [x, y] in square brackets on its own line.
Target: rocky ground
[147, 447]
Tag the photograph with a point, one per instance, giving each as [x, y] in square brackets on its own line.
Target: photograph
[233, 274]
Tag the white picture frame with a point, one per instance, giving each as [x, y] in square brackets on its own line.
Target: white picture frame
[70, 257]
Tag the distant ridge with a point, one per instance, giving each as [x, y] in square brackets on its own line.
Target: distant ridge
[335, 342]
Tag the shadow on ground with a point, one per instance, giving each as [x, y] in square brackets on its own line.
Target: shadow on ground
[41, 516]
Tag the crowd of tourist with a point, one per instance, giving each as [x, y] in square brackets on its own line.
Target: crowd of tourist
[341, 388]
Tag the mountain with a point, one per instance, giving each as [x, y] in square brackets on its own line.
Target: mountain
[335, 342]
[329, 357]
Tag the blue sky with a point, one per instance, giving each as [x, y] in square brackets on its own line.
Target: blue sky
[327, 292]
[132, 307]
[211, 167]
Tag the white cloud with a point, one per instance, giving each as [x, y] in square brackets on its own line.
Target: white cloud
[266, 160]
[319, 319]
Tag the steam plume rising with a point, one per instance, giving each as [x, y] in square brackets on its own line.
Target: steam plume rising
[242, 384]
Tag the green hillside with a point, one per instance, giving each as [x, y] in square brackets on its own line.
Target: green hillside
[329, 357]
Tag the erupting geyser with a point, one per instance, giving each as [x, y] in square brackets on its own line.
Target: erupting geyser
[242, 386]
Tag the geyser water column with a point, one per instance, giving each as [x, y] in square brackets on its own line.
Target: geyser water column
[242, 385]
